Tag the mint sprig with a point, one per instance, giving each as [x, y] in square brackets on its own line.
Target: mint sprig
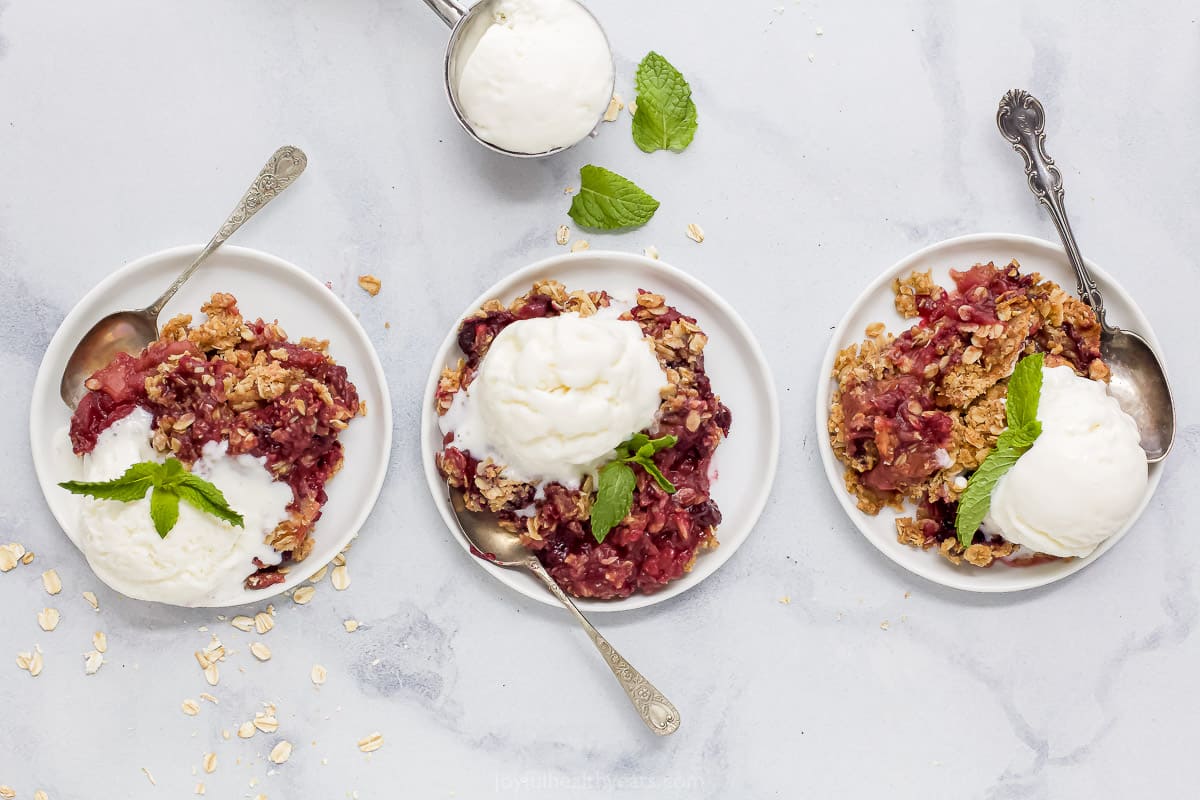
[168, 483]
[608, 201]
[1020, 408]
[666, 115]
[614, 494]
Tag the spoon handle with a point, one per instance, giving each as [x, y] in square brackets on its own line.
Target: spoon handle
[284, 166]
[1022, 121]
[659, 714]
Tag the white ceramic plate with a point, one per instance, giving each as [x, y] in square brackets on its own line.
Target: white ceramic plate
[267, 287]
[745, 461]
[875, 305]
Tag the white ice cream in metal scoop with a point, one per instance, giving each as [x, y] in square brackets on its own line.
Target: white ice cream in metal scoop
[1083, 479]
[533, 76]
[554, 396]
[202, 559]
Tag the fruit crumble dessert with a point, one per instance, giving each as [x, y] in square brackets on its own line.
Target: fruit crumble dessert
[233, 401]
[560, 390]
[914, 415]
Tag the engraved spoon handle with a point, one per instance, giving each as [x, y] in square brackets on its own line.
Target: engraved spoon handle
[280, 171]
[1022, 121]
[659, 714]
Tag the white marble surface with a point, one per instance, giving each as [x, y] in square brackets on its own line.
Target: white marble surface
[126, 127]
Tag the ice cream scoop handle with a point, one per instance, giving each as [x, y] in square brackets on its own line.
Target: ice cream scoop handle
[450, 11]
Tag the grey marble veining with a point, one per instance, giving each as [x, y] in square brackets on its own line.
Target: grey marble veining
[126, 127]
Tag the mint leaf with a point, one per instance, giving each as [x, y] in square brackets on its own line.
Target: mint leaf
[976, 500]
[208, 498]
[164, 510]
[614, 498]
[171, 482]
[653, 471]
[132, 485]
[666, 115]
[1021, 407]
[608, 201]
[1024, 391]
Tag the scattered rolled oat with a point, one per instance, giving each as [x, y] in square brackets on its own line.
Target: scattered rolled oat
[243, 623]
[246, 730]
[370, 284]
[651, 252]
[263, 622]
[695, 232]
[370, 744]
[149, 777]
[200, 787]
[209, 698]
[31, 662]
[318, 674]
[351, 625]
[7, 559]
[786, 600]
[281, 752]
[883, 626]
[100, 641]
[340, 578]
[92, 601]
[614, 108]
[267, 723]
[51, 582]
[632, 106]
[7, 792]
[92, 661]
[48, 619]
[209, 763]
[190, 707]
[40, 795]
[319, 575]
[303, 595]
[579, 245]
[27, 559]
[212, 674]
[260, 651]
[563, 234]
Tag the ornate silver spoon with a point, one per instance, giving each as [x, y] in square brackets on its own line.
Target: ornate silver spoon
[491, 542]
[131, 331]
[1138, 380]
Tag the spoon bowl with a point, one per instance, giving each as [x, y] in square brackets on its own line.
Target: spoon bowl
[132, 331]
[1139, 384]
[488, 540]
[1138, 380]
[121, 332]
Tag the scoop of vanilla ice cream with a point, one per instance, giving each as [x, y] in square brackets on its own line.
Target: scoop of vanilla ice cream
[1083, 479]
[554, 396]
[203, 558]
[533, 76]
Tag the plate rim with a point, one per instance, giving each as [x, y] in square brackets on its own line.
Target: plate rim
[523, 276]
[824, 391]
[55, 351]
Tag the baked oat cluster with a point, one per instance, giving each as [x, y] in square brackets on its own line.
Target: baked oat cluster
[240, 382]
[913, 415]
[659, 541]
